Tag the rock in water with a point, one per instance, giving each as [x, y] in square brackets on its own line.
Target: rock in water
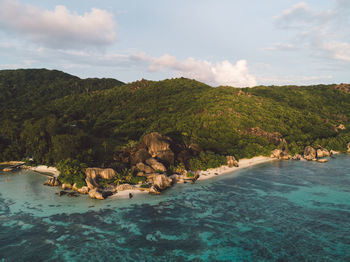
[348, 147]
[96, 194]
[333, 152]
[323, 160]
[72, 194]
[297, 157]
[154, 191]
[61, 193]
[309, 153]
[285, 156]
[322, 152]
[231, 161]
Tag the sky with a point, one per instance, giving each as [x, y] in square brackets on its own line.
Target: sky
[239, 43]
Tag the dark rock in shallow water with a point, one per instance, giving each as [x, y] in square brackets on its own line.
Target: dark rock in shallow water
[154, 190]
[106, 194]
[96, 194]
[61, 193]
[72, 194]
[131, 195]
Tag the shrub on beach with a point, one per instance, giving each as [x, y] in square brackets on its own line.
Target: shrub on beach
[72, 171]
[206, 160]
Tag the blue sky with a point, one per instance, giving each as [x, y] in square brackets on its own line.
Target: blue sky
[238, 43]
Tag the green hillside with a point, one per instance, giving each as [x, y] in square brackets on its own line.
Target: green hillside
[50, 115]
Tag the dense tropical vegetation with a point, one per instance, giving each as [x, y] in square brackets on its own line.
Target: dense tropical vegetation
[52, 116]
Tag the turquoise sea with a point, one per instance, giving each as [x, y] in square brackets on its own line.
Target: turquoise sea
[278, 211]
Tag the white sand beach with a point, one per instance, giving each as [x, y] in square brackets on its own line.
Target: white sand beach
[243, 163]
[45, 170]
[125, 193]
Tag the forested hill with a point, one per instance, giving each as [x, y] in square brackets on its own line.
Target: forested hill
[27, 87]
[50, 115]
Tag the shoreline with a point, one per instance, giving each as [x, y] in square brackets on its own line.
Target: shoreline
[243, 163]
[125, 193]
[49, 171]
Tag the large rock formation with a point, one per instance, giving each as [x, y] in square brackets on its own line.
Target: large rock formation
[310, 153]
[322, 152]
[161, 182]
[297, 157]
[231, 161]
[155, 164]
[140, 156]
[285, 156]
[279, 154]
[158, 146]
[93, 174]
[144, 168]
[178, 179]
[276, 153]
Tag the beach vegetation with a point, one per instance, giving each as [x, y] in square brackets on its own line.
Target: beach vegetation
[72, 172]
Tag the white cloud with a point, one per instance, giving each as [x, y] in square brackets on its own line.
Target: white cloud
[338, 50]
[221, 73]
[301, 15]
[281, 46]
[58, 28]
[321, 32]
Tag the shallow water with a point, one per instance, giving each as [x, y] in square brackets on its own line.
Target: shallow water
[278, 211]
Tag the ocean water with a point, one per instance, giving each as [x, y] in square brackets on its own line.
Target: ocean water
[278, 211]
